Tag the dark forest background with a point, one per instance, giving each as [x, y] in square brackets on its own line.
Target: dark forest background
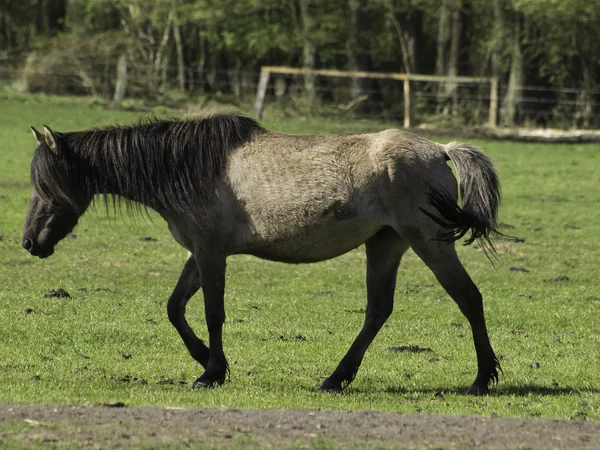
[545, 53]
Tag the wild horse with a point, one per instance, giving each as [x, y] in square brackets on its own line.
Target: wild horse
[225, 185]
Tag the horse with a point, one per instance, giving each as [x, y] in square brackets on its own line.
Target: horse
[226, 185]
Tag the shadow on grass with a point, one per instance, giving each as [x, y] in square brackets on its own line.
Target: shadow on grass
[523, 390]
[500, 390]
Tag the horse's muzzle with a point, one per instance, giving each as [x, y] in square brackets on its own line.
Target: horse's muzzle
[36, 250]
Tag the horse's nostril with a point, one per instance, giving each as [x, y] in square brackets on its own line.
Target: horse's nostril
[27, 244]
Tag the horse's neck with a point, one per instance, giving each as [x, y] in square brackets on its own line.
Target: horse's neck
[109, 178]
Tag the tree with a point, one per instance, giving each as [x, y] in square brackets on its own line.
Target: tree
[451, 40]
[358, 48]
[514, 90]
[24, 20]
[217, 46]
[309, 45]
[570, 32]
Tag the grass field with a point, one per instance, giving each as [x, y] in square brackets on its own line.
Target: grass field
[289, 325]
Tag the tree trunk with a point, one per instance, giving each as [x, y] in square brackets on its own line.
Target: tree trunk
[121, 84]
[498, 38]
[358, 51]
[203, 59]
[443, 48]
[585, 100]
[514, 91]
[412, 24]
[309, 28]
[180, 55]
[235, 77]
[159, 59]
[222, 79]
[450, 41]
[450, 90]
[164, 74]
[443, 39]
[407, 23]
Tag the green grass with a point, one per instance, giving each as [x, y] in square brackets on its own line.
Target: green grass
[289, 325]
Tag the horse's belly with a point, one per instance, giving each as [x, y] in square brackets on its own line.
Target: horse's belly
[311, 243]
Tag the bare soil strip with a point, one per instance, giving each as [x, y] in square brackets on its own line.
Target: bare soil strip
[24, 425]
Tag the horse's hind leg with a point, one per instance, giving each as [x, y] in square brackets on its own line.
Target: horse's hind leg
[188, 284]
[384, 251]
[443, 261]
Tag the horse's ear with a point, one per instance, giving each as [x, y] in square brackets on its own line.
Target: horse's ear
[39, 137]
[50, 140]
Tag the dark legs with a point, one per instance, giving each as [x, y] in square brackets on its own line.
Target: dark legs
[384, 251]
[212, 279]
[214, 287]
[188, 284]
[443, 261]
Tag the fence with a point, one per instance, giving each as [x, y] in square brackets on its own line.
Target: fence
[391, 96]
[406, 79]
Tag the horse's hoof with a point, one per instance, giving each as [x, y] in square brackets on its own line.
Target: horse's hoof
[207, 382]
[478, 390]
[200, 385]
[330, 386]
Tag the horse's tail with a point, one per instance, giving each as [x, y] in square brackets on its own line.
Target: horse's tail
[480, 192]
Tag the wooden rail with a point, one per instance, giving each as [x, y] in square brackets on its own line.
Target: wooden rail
[406, 78]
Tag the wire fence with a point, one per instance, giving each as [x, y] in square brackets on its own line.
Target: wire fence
[451, 103]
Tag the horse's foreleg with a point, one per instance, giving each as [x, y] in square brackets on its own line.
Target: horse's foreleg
[188, 284]
[443, 261]
[384, 251]
[213, 286]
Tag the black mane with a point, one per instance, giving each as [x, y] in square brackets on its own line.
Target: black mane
[156, 163]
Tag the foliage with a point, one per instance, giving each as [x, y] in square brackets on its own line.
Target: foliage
[288, 325]
[570, 32]
[213, 47]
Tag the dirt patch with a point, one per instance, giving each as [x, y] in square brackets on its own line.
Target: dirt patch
[151, 427]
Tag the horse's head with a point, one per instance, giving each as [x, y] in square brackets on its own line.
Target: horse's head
[56, 204]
